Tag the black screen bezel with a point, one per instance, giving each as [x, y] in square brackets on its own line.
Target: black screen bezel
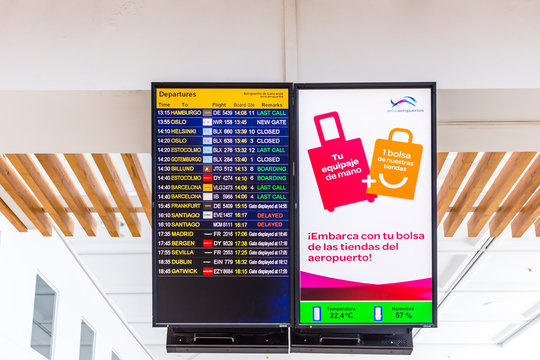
[292, 215]
[349, 86]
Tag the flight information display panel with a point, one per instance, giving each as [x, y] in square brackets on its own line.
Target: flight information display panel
[221, 201]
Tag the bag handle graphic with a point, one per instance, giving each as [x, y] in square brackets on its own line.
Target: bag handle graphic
[334, 115]
[408, 132]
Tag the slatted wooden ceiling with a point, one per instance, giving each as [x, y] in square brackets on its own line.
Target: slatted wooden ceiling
[504, 187]
[510, 199]
[30, 190]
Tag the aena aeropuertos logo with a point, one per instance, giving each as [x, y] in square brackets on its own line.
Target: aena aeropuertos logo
[404, 104]
[404, 100]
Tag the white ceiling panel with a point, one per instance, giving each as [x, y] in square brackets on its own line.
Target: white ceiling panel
[160, 353]
[528, 242]
[149, 334]
[121, 271]
[118, 246]
[449, 266]
[487, 306]
[510, 271]
[135, 307]
[460, 242]
[525, 337]
[466, 352]
[441, 295]
[466, 332]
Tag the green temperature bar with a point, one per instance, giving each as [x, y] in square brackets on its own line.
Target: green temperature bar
[362, 312]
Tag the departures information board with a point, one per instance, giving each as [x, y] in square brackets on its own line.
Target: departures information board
[222, 204]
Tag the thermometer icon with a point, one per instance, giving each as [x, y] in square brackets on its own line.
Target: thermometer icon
[316, 313]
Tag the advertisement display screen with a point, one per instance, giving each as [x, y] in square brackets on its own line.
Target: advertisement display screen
[366, 238]
[221, 204]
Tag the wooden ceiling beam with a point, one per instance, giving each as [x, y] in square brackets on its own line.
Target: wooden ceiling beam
[42, 190]
[476, 183]
[88, 180]
[524, 189]
[537, 227]
[61, 179]
[12, 217]
[526, 216]
[441, 158]
[461, 165]
[510, 173]
[116, 187]
[24, 198]
[140, 182]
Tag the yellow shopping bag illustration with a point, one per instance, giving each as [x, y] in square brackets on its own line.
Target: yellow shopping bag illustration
[394, 167]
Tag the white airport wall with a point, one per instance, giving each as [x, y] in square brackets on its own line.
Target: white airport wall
[83, 71]
[126, 44]
[461, 44]
[22, 257]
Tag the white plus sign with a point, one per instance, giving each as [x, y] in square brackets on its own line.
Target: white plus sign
[368, 180]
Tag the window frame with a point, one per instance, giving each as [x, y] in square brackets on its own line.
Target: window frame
[115, 353]
[40, 274]
[94, 332]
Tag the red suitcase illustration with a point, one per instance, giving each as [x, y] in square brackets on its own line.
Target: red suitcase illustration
[340, 166]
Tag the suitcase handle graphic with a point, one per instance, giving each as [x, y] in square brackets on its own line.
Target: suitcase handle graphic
[334, 115]
[408, 132]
